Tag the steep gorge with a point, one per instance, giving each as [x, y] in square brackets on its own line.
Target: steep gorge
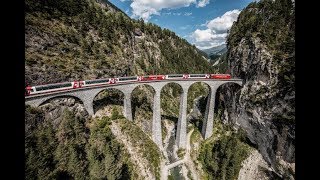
[71, 41]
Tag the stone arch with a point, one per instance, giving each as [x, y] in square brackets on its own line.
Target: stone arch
[107, 96]
[171, 95]
[47, 99]
[201, 98]
[55, 105]
[207, 128]
[176, 94]
[223, 101]
[142, 101]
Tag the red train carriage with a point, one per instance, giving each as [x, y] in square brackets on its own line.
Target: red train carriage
[28, 90]
[220, 76]
[151, 78]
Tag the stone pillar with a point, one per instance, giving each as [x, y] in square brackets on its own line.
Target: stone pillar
[156, 120]
[127, 111]
[207, 127]
[181, 137]
[88, 105]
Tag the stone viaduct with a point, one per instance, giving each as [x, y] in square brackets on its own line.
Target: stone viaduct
[87, 95]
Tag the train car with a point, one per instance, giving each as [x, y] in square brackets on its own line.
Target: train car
[29, 90]
[125, 79]
[151, 78]
[52, 87]
[177, 76]
[220, 76]
[96, 82]
[199, 76]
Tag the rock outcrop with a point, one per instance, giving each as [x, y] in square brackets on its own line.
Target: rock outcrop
[261, 51]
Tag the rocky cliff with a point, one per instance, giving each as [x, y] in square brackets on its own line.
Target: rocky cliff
[261, 51]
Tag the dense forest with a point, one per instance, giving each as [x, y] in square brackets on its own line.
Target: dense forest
[87, 39]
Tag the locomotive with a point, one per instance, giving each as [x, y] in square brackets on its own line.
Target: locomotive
[40, 89]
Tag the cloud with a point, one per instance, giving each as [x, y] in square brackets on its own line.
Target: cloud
[216, 31]
[188, 13]
[207, 38]
[175, 14]
[145, 8]
[203, 3]
[224, 22]
[202, 35]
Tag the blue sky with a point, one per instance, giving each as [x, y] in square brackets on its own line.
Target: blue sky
[201, 22]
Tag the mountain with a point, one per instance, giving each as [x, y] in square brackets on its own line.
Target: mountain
[261, 51]
[217, 50]
[217, 58]
[67, 40]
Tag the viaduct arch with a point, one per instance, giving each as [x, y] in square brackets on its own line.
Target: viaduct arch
[87, 95]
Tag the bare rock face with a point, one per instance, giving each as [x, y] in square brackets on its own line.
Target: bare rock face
[137, 32]
[265, 106]
[260, 107]
[252, 167]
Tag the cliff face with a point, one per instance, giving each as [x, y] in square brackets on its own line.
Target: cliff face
[261, 51]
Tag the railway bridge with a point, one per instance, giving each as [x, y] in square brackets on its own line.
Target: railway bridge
[87, 95]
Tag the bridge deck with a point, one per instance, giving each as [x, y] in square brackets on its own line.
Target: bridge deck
[122, 84]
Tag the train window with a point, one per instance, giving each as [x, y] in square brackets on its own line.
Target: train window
[97, 81]
[53, 86]
[127, 78]
[197, 75]
[176, 75]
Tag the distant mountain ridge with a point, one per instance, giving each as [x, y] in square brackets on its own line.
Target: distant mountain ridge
[217, 50]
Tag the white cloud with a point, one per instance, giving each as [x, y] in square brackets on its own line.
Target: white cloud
[188, 13]
[216, 31]
[146, 8]
[174, 14]
[208, 38]
[202, 35]
[203, 3]
[224, 22]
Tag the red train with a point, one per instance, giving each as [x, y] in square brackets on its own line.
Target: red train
[31, 90]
